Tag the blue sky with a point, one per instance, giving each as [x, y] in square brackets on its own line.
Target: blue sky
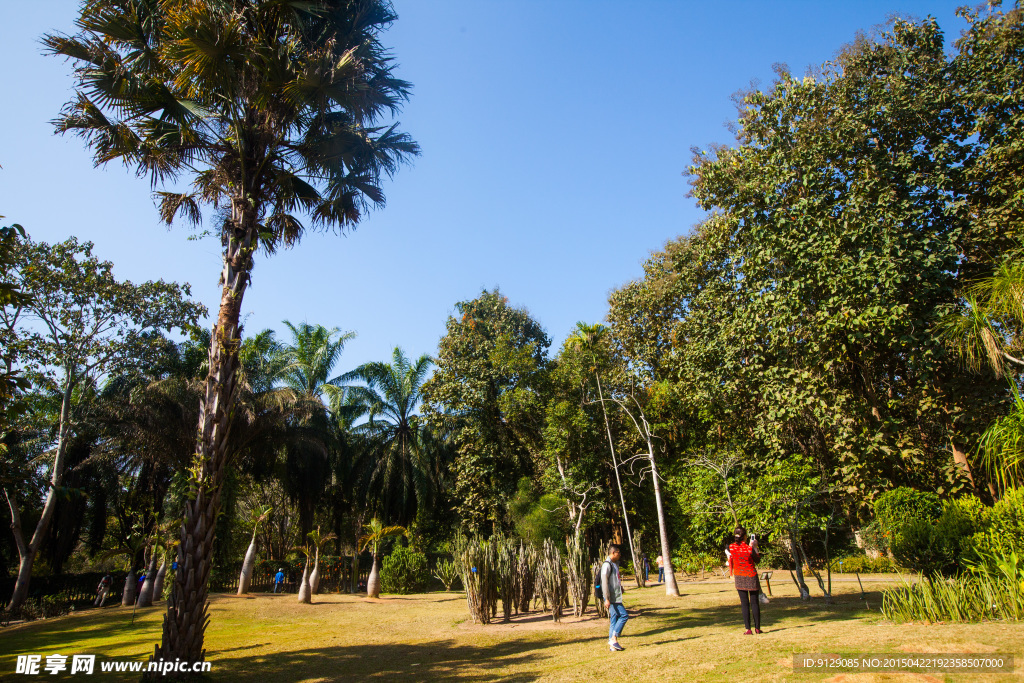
[554, 136]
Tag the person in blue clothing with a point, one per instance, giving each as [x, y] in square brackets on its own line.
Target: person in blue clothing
[278, 579]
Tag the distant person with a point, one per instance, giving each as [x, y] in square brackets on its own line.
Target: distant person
[103, 590]
[138, 585]
[278, 579]
[647, 568]
[742, 560]
[611, 590]
[661, 569]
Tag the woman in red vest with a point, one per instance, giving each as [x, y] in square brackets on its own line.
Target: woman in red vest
[742, 561]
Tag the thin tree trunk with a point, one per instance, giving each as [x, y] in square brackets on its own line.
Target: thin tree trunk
[245, 578]
[670, 575]
[794, 549]
[146, 594]
[187, 615]
[27, 552]
[615, 466]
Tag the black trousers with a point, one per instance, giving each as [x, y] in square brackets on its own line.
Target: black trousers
[749, 603]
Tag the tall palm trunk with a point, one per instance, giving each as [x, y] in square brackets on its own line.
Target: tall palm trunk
[146, 594]
[615, 466]
[245, 578]
[187, 609]
[27, 552]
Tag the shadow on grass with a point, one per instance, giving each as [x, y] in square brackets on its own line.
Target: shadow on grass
[93, 624]
[443, 659]
[779, 611]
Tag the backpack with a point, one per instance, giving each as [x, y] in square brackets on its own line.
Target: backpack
[598, 591]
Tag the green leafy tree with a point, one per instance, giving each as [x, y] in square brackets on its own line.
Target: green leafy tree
[78, 325]
[11, 383]
[488, 393]
[272, 111]
[800, 320]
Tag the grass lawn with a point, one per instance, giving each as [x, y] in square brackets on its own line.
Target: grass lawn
[271, 639]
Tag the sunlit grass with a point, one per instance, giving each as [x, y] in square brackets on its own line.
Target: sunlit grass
[270, 639]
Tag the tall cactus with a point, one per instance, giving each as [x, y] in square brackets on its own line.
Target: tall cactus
[503, 550]
[552, 577]
[526, 572]
[578, 576]
[473, 557]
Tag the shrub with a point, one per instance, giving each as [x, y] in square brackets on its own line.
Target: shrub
[404, 571]
[1001, 529]
[900, 506]
[919, 545]
[944, 546]
[690, 562]
[883, 565]
[862, 564]
[874, 537]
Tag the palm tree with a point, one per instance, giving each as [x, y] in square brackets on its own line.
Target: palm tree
[272, 111]
[399, 452]
[984, 333]
[311, 357]
[376, 534]
[306, 375]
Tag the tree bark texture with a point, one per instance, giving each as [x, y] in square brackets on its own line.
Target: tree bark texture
[187, 608]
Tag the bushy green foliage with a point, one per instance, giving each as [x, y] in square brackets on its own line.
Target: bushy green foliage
[901, 505]
[937, 546]
[404, 571]
[690, 562]
[863, 564]
[1000, 530]
[874, 537]
[537, 517]
[919, 545]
